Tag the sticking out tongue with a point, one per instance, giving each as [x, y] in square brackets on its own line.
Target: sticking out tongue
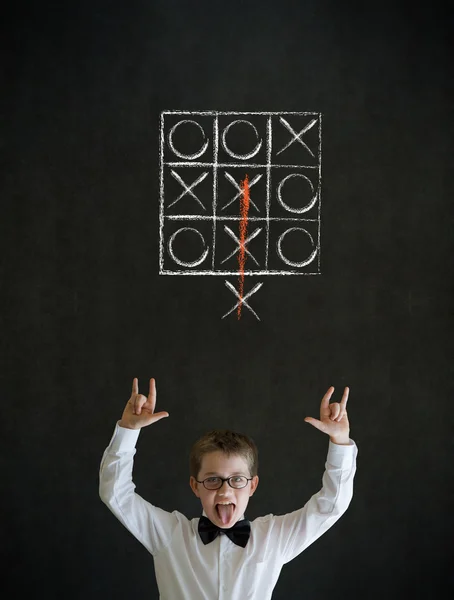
[225, 512]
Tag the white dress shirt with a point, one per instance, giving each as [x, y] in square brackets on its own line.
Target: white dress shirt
[186, 568]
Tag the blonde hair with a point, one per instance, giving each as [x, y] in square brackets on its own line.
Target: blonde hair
[228, 442]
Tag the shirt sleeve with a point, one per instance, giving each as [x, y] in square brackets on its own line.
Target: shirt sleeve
[151, 525]
[295, 531]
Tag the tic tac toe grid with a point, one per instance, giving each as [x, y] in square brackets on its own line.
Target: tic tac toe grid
[204, 157]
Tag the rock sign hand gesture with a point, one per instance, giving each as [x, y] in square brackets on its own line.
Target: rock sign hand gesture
[139, 410]
[333, 418]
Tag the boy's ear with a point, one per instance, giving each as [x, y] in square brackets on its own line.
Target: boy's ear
[193, 484]
[254, 484]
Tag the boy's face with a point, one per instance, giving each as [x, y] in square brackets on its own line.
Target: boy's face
[218, 464]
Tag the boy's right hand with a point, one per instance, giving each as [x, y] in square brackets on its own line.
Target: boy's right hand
[139, 410]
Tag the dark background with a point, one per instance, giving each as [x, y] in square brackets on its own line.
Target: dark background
[84, 309]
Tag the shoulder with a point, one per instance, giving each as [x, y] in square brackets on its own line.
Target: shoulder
[260, 520]
[263, 523]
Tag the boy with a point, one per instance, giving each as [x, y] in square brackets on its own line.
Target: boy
[221, 555]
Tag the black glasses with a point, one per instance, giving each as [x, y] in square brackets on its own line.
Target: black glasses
[236, 481]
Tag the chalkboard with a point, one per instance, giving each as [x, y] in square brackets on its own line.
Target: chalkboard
[91, 297]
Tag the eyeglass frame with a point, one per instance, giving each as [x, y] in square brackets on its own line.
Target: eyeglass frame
[222, 482]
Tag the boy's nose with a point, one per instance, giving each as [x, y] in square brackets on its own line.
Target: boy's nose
[225, 488]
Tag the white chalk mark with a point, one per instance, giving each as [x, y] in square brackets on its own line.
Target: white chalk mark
[215, 183]
[240, 192]
[229, 165]
[180, 154]
[242, 300]
[236, 218]
[241, 245]
[213, 113]
[290, 262]
[269, 145]
[297, 136]
[308, 206]
[183, 263]
[161, 193]
[233, 154]
[319, 185]
[236, 273]
[188, 189]
[296, 221]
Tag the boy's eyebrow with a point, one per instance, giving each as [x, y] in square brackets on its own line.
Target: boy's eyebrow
[214, 473]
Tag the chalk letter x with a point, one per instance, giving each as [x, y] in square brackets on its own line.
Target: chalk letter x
[242, 300]
[297, 136]
[188, 189]
[240, 189]
[240, 244]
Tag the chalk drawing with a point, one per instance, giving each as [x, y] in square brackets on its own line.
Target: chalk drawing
[297, 136]
[183, 263]
[263, 205]
[242, 299]
[286, 206]
[233, 154]
[241, 248]
[188, 189]
[180, 154]
[303, 263]
[244, 212]
[240, 193]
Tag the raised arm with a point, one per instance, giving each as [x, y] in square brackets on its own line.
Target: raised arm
[295, 531]
[151, 525]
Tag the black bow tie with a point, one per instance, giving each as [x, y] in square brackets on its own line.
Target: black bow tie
[239, 533]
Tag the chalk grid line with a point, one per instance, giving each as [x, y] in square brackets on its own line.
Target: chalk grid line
[215, 165]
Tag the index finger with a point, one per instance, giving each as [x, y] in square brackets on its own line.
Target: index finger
[152, 392]
[324, 405]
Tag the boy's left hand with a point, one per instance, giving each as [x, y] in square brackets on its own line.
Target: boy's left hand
[333, 418]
